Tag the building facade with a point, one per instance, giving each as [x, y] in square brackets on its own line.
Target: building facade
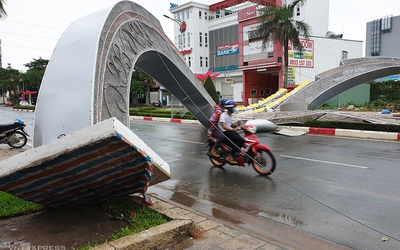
[193, 40]
[249, 71]
[382, 36]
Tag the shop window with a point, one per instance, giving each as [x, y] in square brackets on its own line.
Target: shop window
[268, 91]
[262, 92]
[253, 92]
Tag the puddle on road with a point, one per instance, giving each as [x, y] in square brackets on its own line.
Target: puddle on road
[283, 218]
[211, 209]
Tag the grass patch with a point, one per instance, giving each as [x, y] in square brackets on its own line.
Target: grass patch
[12, 206]
[139, 218]
[158, 112]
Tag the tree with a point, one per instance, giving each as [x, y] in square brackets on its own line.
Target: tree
[141, 83]
[209, 86]
[37, 64]
[34, 75]
[278, 25]
[2, 9]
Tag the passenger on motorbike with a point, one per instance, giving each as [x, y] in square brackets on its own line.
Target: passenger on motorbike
[215, 131]
[225, 124]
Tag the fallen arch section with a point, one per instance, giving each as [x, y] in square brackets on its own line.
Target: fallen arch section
[88, 76]
[350, 73]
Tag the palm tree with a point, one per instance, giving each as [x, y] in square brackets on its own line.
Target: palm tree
[2, 10]
[278, 25]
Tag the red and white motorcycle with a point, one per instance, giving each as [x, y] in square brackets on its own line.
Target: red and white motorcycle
[253, 152]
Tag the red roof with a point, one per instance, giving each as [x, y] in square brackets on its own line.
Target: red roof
[229, 3]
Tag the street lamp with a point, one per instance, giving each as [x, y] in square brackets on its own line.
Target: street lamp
[182, 28]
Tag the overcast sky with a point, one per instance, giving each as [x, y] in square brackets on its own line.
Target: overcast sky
[33, 27]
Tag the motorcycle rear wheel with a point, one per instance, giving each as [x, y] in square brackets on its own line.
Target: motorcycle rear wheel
[17, 140]
[214, 161]
[264, 162]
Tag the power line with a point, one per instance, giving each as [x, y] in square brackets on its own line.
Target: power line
[37, 25]
[28, 35]
[24, 47]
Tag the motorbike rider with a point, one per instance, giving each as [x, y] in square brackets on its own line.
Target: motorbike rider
[215, 131]
[225, 124]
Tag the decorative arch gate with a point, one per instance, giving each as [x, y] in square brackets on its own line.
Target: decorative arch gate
[88, 76]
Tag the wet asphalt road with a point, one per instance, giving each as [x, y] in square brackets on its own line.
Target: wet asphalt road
[342, 190]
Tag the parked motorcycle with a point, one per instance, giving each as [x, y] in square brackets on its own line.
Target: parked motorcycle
[14, 134]
[252, 152]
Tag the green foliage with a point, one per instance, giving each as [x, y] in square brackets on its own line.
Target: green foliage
[11, 78]
[388, 91]
[378, 103]
[11, 205]
[139, 217]
[279, 25]
[158, 112]
[344, 125]
[209, 86]
[37, 64]
[140, 81]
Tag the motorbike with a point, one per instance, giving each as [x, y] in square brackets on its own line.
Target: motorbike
[253, 152]
[14, 134]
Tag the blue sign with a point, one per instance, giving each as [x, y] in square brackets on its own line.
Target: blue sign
[225, 68]
[228, 49]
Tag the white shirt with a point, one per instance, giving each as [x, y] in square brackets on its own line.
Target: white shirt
[225, 118]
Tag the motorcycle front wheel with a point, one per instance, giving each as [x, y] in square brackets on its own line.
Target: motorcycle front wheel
[17, 140]
[264, 162]
[214, 161]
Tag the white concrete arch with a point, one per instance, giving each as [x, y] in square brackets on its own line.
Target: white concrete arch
[351, 73]
[88, 75]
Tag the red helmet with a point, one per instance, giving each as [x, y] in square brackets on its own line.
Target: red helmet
[250, 128]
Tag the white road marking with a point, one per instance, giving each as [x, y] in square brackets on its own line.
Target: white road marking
[328, 162]
[173, 139]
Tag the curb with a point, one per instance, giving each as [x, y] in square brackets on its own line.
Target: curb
[363, 134]
[160, 119]
[26, 110]
[352, 133]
